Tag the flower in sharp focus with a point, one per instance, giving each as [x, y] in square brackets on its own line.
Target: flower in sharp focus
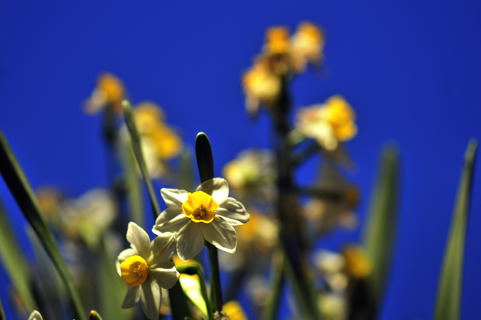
[146, 267]
[306, 46]
[108, 93]
[207, 214]
[328, 123]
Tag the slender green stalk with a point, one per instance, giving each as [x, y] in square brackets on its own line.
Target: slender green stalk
[205, 163]
[271, 311]
[139, 156]
[20, 188]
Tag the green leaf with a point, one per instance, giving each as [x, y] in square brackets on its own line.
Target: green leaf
[24, 196]
[14, 261]
[132, 183]
[112, 289]
[139, 156]
[448, 301]
[203, 153]
[2, 313]
[380, 230]
[195, 289]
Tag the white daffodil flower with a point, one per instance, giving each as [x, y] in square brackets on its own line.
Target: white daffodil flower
[146, 267]
[207, 214]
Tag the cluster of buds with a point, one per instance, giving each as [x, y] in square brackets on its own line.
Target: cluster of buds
[282, 56]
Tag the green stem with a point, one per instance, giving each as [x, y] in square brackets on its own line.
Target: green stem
[216, 290]
[2, 313]
[278, 280]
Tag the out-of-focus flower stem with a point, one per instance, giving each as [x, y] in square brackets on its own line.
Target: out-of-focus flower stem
[278, 280]
[205, 163]
[291, 236]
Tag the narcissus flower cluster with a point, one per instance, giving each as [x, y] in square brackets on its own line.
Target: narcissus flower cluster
[191, 218]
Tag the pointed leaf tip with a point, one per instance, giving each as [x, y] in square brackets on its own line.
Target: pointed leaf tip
[205, 160]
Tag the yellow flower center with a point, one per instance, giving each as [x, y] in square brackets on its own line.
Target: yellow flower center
[200, 207]
[134, 270]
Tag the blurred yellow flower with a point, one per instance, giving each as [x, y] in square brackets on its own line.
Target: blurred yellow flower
[261, 85]
[328, 123]
[306, 46]
[109, 92]
[357, 264]
[234, 310]
[277, 40]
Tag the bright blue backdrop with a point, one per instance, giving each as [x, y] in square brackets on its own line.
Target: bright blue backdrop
[411, 70]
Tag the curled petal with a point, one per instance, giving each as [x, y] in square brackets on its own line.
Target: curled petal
[189, 241]
[221, 234]
[139, 239]
[170, 220]
[166, 278]
[132, 297]
[216, 187]
[150, 297]
[174, 197]
[233, 212]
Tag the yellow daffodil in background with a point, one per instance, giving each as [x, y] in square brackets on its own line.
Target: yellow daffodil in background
[234, 310]
[207, 214]
[261, 85]
[306, 46]
[277, 41]
[159, 141]
[109, 93]
[328, 123]
[146, 267]
[357, 263]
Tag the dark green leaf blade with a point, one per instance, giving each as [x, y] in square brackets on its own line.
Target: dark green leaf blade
[14, 261]
[18, 185]
[380, 230]
[448, 301]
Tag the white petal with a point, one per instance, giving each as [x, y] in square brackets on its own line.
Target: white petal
[139, 239]
[166, 278]
[150, 297]
[174, 197]
[124, 255]
[163, 248]
[132, 297]
[233, 212]
[170, 220]
[221, 234]
[35, 315]
[216, 187]
[189, 241]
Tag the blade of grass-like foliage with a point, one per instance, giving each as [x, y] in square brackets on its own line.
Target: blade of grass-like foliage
[380, 229]
[112, 289]
[448, 301]
[195, 288]
[24, 196]
[94, 315]
[178, 300]
[139, 156]
[14, 261]
[132, 183]
[2, 313]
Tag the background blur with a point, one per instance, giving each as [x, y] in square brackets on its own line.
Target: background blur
[412, 72]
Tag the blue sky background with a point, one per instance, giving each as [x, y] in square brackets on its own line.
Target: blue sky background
[411, 70]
